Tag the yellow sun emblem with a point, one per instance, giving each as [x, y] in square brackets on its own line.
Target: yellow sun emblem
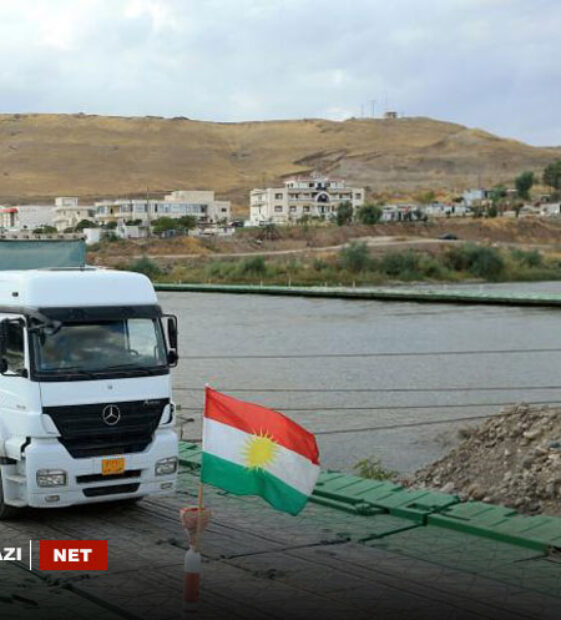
[259, 451]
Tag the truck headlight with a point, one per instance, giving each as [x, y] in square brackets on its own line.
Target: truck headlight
[51, 478]
[164, 467]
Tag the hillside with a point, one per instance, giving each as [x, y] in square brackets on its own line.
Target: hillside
[42, 156]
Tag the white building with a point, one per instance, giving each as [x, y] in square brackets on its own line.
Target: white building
[200, 204]
[26, 217]
[441, 209]
[475, 197]
[301, 196]
[68, 213]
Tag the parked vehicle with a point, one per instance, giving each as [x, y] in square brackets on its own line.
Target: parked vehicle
[86, 410]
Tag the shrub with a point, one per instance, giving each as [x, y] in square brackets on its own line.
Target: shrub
[372, 468]
[431, 267]
[146, 266]
[319, 264]
[400, 263]
[531, 258]
[84, 224]
[480, 261]
[44, 230]
[220, 269]
[369, 214]
[355, 257]
[254, 265]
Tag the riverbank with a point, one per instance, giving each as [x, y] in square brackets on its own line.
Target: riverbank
[357, 264]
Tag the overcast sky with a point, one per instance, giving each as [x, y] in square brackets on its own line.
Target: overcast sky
[494, 64]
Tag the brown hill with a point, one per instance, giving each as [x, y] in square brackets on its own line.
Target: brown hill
[44, 155]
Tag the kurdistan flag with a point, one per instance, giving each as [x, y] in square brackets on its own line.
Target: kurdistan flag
[251, 450]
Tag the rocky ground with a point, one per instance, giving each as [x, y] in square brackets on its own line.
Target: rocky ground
[514, 459]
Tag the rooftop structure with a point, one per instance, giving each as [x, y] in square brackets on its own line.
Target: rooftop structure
[316, 197]
[26, 217]
[199, 204]
[68, 213]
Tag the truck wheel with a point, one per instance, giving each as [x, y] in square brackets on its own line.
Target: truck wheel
[6, 512]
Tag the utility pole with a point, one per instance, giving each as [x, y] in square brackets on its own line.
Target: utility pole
[372, 107]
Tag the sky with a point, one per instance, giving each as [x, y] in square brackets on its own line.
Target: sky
[492, 64]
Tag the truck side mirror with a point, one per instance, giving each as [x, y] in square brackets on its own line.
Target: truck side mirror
[172, 332]
[172, 357]
[3, 340]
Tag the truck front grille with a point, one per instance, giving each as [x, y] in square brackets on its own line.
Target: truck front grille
[84, 433]
[112, 490]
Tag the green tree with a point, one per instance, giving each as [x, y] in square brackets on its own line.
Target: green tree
[84, 224]
[552, 175]
[498, 193]
[163, 224]
[44, 230]
[344, 213]
[369, 214]
[524, 184]
[187, 222]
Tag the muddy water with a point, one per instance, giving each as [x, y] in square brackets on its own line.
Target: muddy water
[348, 421]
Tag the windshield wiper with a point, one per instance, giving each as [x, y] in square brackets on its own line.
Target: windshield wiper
[70, 370]
[128, 368]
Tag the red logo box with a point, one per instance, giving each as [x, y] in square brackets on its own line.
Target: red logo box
[73, 555]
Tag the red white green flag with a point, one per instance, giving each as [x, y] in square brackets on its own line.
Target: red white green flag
[251, 450]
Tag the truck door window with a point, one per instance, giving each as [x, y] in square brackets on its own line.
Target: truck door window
[15, 356]
[141, 339]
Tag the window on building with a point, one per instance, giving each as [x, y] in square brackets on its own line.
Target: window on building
[306, 208]
[278, 196]
[278, 209]
[292, 209]
[15, 357]
[358, 196]
[224, 210]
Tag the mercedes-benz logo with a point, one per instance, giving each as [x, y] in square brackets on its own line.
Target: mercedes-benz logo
[111, 415]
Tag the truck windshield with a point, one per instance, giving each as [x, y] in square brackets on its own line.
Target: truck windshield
[101, 346]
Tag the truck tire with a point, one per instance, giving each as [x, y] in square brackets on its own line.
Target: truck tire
[7, 512]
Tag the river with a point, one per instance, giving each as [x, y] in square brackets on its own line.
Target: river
[327, 345]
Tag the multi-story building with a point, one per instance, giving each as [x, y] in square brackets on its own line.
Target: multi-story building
[68, 213]
[26, 217]
[200, 204]
[316, 197]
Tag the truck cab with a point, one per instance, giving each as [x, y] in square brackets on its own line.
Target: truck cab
[86, 410]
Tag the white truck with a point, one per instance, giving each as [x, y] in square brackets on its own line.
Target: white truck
[86, 411]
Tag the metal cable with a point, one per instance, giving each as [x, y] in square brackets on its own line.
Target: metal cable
[376, 390]
[368, 355]
[392, 407]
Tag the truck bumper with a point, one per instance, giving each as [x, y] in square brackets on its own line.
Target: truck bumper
[85, 483]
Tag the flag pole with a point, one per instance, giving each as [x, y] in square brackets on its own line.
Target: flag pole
[192, 565]
[200, 496]
[198, 531]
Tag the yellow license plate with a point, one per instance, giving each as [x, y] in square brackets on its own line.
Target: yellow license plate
[111, 467]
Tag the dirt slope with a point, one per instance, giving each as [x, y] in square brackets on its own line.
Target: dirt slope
[42, 156]
[513, 459]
